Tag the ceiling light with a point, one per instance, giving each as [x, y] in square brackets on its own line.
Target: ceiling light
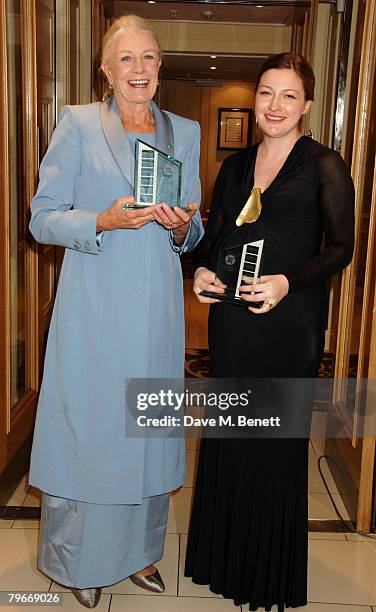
[151, 2]
[213, 57]
[259, 6]
[213, 67]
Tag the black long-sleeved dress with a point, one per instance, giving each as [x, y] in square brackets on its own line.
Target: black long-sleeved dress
[248, 531]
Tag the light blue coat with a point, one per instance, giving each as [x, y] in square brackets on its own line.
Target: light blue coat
[118, 312]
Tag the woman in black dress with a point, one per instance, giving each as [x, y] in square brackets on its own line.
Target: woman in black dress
[248, 531]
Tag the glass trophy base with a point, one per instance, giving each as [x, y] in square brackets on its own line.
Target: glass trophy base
[157, 177]
[135, 206]
[231, 299]
[238, 265]
[138, 206]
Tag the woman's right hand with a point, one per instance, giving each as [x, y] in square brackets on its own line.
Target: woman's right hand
[118, 217]
[206, 280]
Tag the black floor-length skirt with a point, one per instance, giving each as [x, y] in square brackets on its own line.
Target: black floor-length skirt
[249, 525]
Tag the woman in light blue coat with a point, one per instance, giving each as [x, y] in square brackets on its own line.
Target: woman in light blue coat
[118, 315]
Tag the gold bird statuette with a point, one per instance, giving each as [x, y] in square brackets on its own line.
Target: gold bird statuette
[252, 208]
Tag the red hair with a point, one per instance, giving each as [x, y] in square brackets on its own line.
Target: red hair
[295, 62]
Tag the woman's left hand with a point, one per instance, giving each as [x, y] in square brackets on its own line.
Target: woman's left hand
[270, 289]
[175, 219]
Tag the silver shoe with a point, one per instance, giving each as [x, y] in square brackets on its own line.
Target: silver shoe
[87, 597]
[153, 583]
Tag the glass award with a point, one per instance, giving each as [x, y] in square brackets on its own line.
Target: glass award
[237, 265]
[157, 177]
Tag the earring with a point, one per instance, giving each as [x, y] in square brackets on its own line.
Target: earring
[256, 121]
[110, 86]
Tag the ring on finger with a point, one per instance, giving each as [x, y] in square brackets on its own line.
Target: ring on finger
[270, 304]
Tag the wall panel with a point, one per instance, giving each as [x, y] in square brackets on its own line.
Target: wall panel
[201, 104]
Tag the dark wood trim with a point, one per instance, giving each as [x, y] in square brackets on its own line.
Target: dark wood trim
[331, 526]
[30, 130]
[14, 472]
[19, 513]
[109, 9]
[97, 26]
[23, 418]
[4, 232]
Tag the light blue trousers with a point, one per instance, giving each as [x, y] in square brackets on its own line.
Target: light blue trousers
[87, 545]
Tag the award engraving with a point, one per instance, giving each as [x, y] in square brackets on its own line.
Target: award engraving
[157, 178]
[237, 265]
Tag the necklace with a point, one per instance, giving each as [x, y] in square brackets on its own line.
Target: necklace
[252, 208]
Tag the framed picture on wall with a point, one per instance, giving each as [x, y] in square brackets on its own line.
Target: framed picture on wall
[234, 128]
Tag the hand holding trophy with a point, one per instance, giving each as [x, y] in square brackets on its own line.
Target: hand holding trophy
[240, 265]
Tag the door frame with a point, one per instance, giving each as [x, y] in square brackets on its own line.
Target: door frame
[363, 449]
[16, 425]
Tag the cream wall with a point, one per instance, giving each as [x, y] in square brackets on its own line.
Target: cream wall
[230, 95]
[321, 67]
[201, 104]
[226, 38]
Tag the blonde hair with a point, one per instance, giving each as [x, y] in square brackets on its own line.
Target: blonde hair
[126, 22]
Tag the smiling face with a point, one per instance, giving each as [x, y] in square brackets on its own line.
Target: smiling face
[132, 68]
[280, 102]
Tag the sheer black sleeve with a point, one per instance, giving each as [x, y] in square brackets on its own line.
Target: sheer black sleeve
[215, 223]
[337, 209]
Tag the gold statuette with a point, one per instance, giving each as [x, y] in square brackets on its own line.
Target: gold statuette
[252, 208]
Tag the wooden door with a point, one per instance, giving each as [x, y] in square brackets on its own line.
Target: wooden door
[353, 452]
[29, 271]
[27, 119]
[304, 29]
[46, 118]
[18, 261]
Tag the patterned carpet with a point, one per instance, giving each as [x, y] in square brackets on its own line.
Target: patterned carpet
[197, 363]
